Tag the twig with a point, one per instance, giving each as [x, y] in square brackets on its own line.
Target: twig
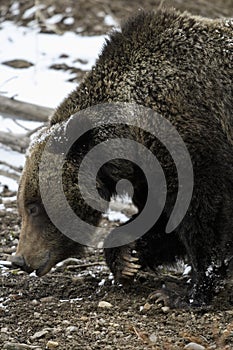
[5, 263]
[82, 266]
[31, 132]
[21, 126]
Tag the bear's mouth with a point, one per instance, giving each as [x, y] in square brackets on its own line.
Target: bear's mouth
[45, 267]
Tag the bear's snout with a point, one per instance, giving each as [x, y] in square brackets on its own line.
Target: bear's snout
[18, 261]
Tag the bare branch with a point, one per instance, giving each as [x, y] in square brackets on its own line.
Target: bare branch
[9, 174]
[20, 125]
[31, 132]
[14, 168]
[82, 266]
[21, 110]
[17, 143]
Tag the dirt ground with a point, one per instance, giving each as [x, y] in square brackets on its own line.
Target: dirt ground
[66, 309]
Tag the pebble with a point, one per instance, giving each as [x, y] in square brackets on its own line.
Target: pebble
[229, 312]
[104, 304]
[84, 318]
[57, 330]
[194, 346]
[115, 325]
[39, 334]
[4, 330]
[65, 322]
[52, 344]
[147, 307]
[18, 346]
[165, 309]
[71, 329]
[47, 299]
[153, 338]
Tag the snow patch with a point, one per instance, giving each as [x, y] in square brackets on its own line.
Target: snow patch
[2, 206]
[110, 21]
[12, 184]
[14, 9]
[17, 126]
[9, 199]
[35, 84]
[187, 270]
[38, 84]
[102, 282]
[32, 11]
[68, 21]
[55, 19]
[12, 157]
[112, 215]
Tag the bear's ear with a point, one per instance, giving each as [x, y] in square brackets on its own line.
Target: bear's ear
[64, 135]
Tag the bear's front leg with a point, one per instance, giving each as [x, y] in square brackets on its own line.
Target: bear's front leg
[123, 262]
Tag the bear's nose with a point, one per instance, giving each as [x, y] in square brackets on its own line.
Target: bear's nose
[18, 261]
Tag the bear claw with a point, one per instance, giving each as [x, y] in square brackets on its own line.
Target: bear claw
[130, 267]
[160, 297]
[130, 258]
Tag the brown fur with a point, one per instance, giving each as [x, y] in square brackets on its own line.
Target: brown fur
[173, 62]
[180, 66]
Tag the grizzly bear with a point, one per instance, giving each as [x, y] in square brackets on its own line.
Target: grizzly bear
[181, 67]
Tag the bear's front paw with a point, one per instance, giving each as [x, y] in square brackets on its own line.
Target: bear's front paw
[123, 262]
[169, 298]
[130, 266]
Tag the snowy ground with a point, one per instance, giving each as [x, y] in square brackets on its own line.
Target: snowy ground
[35, 84]
[39, 84]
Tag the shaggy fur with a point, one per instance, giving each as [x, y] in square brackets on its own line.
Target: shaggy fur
[181, 67]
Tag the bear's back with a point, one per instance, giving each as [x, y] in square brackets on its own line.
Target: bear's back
[175, 63]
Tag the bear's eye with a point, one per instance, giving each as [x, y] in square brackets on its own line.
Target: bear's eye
[33, 209]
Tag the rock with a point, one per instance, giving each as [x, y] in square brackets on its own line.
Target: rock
[47, 299]
[71, 329]
[4, 330]
[65, 322]
[57, 330]
[52, 344]
[39, 334]
[18, 64]
[165, 309]
[84, 318]
[147, 307]
[2, 213]
[194, 346]
[104, 304]
[18, 346]
[153, 338]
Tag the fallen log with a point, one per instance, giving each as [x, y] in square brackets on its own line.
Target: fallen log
[9, 174]
[21, 110]
[17, 143]
[13, 168]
